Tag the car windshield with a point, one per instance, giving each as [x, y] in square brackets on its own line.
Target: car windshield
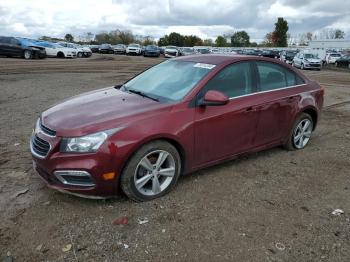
[168, 81]
[134, 45]
[188, 50]
[151, 47]
[307, 56]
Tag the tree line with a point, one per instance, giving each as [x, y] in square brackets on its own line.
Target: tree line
[279, 37]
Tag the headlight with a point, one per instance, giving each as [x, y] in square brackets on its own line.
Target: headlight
[86, 144]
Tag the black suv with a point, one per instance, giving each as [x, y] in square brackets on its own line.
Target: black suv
[13, 46]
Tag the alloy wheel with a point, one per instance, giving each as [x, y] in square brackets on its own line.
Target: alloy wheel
[302, 133]
[27, 54]
[154, 173]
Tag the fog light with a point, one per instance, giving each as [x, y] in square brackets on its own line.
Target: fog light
[74, 177]
[108, 176]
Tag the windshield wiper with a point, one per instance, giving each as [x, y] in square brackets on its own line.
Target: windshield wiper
[141, 94]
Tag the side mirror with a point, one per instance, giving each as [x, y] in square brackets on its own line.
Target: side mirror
[214, 98]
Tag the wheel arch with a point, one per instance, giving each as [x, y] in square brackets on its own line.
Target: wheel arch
[169, 139]
[311, 111]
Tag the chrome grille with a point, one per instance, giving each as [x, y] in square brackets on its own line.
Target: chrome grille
[47, 130]
[39, 146]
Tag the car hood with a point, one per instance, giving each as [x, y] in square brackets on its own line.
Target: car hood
[313, 60]
[99, 110]
[170, 50]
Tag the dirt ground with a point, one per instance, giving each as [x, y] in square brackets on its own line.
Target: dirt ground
[271, 206]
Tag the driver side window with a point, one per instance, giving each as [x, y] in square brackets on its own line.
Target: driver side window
[234, 80]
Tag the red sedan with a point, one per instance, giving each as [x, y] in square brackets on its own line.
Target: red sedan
[174, 118]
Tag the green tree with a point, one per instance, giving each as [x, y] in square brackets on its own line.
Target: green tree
[176, 39]
[192, 40]
[281, 29]
[221, 41]
[240, 39]
[208, 42]
[69, 38]
[102, 37]
[163, 41]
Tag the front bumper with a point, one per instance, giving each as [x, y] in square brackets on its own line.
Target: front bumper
[155, 54]
[312, 65]
[94, 164]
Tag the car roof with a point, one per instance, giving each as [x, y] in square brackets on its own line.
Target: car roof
[218, 59]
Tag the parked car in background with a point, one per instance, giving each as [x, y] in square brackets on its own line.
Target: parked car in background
[203, 51]
[344, 61]
[151, 50]
[331, 58]
[134, 49]
[106, 49]
[171, 51]
[179, 116]
[56, 50]
[94, 48]
[188, 51]
[162, 50]
[271, 54]
[86, 51]
[253, 52]
[120, 49]
[287, 56]
[19, 47]
[80, 51]
[307, 60]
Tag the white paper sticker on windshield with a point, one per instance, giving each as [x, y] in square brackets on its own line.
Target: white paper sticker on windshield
[206, 66]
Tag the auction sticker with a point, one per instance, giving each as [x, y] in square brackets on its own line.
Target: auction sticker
[206, 66]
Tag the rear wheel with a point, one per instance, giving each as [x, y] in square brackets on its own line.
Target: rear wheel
[151, 172]
[80, 54]
[27, 54]
[301, 132]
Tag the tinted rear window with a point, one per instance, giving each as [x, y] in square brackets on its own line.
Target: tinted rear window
[273, 76]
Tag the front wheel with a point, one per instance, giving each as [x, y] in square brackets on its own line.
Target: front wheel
[27, 54]
[300, 133]
[151, 172]
[80, 55]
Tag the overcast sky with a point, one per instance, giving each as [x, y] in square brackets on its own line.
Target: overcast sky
[205, 18]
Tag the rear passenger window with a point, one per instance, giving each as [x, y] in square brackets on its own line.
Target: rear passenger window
[273, 76]
[234, 80]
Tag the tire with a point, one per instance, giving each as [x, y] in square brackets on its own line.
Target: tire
[148, 188]
[80, 54]
[295, 144]
[60, 55]
[27, 54]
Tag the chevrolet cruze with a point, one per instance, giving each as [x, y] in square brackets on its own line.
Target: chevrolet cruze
[174, 118]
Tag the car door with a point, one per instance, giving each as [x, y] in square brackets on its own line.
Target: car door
[277, 101]
[222, 131]
[5, 46]
[15, 47]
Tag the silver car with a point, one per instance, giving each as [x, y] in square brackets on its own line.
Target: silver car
[306, 60]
